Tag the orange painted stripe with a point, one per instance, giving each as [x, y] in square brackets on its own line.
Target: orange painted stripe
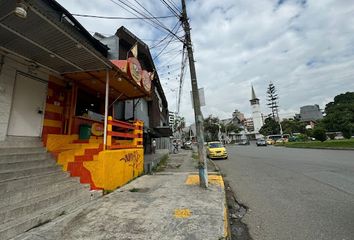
[52, 123]
[54, 108]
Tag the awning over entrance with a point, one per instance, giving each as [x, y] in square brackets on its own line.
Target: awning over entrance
[121, 86]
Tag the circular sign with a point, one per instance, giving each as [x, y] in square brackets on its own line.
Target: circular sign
[134, 69]
[145, 80]
[97, 129]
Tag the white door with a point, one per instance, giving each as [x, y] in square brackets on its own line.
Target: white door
[27, 107]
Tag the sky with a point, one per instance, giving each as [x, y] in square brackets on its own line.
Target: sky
[304, 47]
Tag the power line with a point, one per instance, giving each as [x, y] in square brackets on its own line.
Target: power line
[124, 18]
[183, 65]
[163, 39]
[157, 24]
[176, 13]
[174, 5]
[168, 43]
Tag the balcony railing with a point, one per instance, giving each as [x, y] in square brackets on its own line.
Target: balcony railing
[121, 135]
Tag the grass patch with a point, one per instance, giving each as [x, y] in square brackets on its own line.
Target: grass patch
[338, 144]
[162, 164]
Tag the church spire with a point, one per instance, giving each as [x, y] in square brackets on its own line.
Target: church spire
[253, 94]
[254, 100]
[253, 97]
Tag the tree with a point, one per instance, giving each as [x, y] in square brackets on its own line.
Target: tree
[230, 127]
[270, 127]
[272, 98]
[211, 128]
[340, 114]
[291, 126]
[320, 134]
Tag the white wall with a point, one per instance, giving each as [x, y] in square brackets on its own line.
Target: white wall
[11, 65]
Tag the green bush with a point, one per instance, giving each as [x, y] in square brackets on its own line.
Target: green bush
[320, 134]
[347, 131]
[301, 138]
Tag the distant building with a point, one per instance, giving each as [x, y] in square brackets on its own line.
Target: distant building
[248, 123]
[310, 113]
[256, 112]
[171, 119]
[239, 115]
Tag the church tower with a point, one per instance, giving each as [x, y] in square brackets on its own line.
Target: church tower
[256, 112]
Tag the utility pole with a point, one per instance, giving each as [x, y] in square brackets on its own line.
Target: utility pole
[202, 165]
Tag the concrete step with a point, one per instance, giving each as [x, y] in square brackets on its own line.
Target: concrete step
[8, 158]
[28, 206]
[21, 150]
[21, 142]
[13, 175]
[14, 166]
[20, 225]
[13, 197]
[24, 183]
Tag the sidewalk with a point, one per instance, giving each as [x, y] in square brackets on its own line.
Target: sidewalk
[167, 205]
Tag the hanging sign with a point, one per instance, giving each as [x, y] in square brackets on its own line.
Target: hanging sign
[134, 69]
[146, 80]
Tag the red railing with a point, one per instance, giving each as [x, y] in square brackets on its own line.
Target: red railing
[122, 135]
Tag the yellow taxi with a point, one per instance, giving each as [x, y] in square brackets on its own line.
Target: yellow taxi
[216, 150]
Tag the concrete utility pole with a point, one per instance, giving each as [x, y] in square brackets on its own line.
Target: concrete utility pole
[203, 172]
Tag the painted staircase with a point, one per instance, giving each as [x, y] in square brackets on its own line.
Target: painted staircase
[73, 156]
[33, 188]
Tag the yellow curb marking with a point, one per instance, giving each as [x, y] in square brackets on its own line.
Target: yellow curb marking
[212, 179]
[182, 213]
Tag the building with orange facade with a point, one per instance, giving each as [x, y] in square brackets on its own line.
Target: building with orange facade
[60, 93]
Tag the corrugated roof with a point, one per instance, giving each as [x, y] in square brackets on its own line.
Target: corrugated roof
[50, 36]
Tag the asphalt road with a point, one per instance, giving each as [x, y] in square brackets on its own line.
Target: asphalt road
[293, 193]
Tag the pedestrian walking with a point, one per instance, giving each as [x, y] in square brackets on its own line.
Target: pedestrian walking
[153, 145]
[175, 146]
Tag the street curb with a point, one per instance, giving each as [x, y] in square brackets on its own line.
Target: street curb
[227, 229]
[326, 148]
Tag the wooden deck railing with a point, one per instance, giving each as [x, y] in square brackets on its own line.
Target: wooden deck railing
[122, 135]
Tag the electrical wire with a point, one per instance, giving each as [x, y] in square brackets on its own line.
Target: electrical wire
[168, 43]
[174, 5]
[176, 13]
[123, 18]
[183, 65]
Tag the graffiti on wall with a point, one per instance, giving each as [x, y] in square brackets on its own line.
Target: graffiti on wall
[133, 159]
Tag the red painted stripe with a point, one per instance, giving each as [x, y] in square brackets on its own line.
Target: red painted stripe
[51, 130]
[83, 158]
[122, 124]
[53, 116]
[55, 86]
[124, 135]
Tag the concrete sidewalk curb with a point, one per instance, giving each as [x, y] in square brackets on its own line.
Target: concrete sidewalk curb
[227, 228]
[322, 148]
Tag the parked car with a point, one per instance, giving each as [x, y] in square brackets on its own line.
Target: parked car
[216, 150]
[261, 142]
[244, 142]
[270, 141]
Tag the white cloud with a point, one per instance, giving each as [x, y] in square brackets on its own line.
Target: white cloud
[306, 48]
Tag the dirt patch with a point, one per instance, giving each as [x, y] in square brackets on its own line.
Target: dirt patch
[238, 229]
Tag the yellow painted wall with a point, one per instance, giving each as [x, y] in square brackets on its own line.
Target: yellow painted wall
[114, 168]
[57, 141]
